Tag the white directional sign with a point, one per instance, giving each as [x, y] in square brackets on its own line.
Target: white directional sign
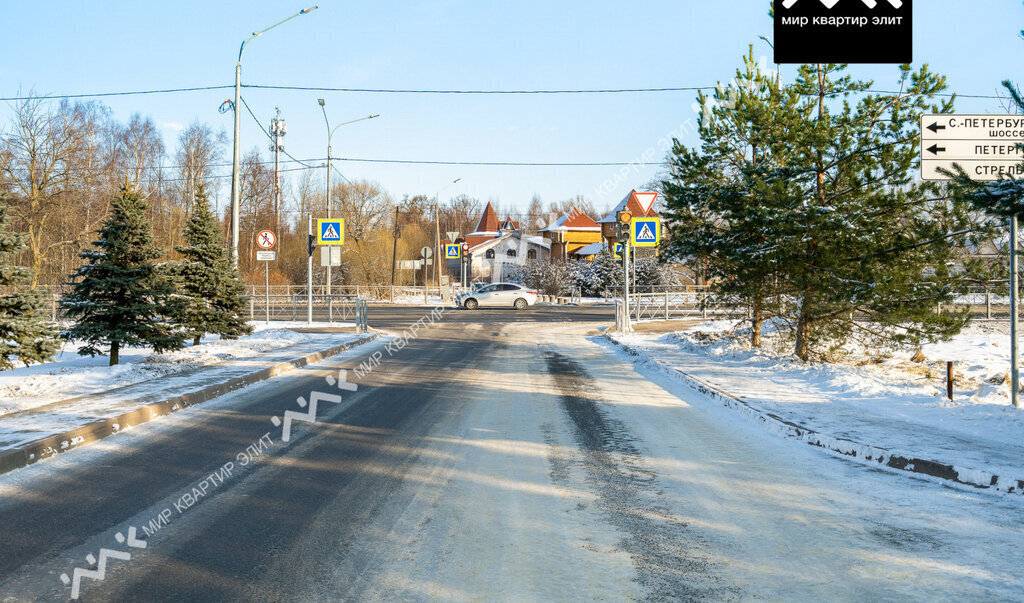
[985, 146]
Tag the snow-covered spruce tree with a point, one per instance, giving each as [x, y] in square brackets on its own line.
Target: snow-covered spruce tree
[864, 236]
[119, 296]
[602, 277]
[207, 282]
[26, 332]
[549, 278]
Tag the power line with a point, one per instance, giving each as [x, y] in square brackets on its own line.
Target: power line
[122, 93]
[454, 91]
[565, 91]
[441, 91]
[503, 163]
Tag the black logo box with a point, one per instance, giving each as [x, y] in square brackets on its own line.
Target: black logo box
[883, 34]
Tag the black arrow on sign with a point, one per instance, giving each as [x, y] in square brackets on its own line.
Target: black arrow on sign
[936, 127]
[936, 149]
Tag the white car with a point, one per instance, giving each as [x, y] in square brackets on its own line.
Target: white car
[498, 295]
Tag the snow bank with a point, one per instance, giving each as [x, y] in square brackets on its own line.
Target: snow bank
[872, 405]
[71, 375]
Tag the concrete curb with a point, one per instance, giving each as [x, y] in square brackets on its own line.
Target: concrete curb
[31, 452]
[863, 453]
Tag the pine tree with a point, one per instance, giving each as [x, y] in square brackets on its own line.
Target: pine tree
[119, 296]
[865, 236]
[718, 203]
[805, 204]
[26, 332]
[207, 280]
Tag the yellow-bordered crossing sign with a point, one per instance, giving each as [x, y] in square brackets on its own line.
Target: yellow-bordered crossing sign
[452, 251]
[646, 232]
[330, 231]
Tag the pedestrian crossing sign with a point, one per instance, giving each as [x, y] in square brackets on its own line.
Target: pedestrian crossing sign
[452, 252]
[330, 231]
[618, 250]
[646, 232]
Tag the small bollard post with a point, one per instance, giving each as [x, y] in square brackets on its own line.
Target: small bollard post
[949, 380]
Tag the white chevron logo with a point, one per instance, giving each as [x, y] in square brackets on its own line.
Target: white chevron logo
[306, 417]
[342, 381]
[97, 574]
[830, 3]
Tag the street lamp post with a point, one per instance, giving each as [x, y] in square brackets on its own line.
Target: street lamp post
[330, 134]
[437, 234]
[235, 189]
[778, 68]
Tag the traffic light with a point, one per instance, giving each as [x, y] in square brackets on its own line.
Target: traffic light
[311, 244]
[622, 223]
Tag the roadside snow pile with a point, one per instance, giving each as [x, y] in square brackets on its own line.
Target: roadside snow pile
[874, 397]
[72, 375]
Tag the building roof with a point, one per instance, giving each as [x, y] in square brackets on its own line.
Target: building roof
[487, 244]
[592, 249]
[574, 220]
[508, 224]
[628, 202]
[488, 221]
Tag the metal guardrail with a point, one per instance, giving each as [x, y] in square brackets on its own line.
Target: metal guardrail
[326, 308]
[674, 305]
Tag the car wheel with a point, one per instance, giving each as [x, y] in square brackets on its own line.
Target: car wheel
[521, 304]
[471, 304]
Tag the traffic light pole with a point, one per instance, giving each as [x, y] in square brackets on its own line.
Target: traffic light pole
[626, 326]
[623, 220]
[309, 272]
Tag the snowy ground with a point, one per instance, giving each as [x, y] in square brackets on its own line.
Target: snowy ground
[873, 397]
[71, 375]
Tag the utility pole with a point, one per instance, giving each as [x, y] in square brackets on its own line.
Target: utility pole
[235, 154]
[330, 134]
[277, 131]
[394, 249]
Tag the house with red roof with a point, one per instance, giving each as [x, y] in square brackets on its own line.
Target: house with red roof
[497, 248]
[571, 232]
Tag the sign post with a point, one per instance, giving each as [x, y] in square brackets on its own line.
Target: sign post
[427, 253]
[266, 239]
[987, 148]
[1014, 348]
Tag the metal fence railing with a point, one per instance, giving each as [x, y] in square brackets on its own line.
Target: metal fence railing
[683, 304]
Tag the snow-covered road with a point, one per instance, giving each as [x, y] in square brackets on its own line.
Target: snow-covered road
[526, 461]
[575, 476]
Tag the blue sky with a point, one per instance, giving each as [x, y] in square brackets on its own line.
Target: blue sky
[78, 47]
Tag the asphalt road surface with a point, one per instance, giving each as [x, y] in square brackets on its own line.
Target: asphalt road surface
[490, 455]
